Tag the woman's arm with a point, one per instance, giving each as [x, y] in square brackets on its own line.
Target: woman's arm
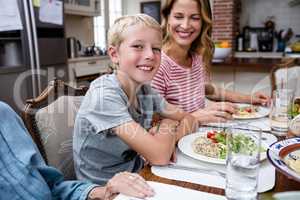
[221, 94]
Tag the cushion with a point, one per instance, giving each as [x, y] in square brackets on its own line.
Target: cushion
[55, 123]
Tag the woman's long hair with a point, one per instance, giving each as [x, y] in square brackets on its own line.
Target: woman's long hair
[203, 44]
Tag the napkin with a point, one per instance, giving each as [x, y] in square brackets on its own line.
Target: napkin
[167, 192]
[266, 177]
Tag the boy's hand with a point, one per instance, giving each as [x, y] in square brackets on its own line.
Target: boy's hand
[188, 124]
[173, 157]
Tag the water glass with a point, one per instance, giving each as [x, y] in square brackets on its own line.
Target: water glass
[242, 165]
[279, 116]
[294, 127]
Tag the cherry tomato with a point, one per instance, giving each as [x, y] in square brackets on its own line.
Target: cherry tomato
[249, 110]
[211, 134]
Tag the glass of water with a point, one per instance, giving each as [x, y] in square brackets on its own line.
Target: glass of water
[279, 116]
[243, 156]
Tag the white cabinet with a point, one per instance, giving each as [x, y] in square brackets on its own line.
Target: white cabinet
[83, 7]
[87, 68]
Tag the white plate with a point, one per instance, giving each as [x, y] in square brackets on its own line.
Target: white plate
[291, 195]
[279, 150]
[262, 112]
[185, 146]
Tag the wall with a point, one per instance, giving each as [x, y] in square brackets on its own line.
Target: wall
[255, 12]
[80, 27]
[132, 6]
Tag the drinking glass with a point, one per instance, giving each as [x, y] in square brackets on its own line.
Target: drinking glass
[279, 116]
[294, 127]
[243, 146]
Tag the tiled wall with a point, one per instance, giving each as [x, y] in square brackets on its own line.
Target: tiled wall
[255, 12]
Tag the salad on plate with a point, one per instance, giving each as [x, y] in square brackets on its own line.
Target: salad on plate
[213, 144]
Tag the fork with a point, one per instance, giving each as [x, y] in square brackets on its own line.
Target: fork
[198, 169]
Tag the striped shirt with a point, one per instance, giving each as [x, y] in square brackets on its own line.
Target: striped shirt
[181, 86]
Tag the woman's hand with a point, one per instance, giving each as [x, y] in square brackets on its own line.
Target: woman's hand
[227, 107]
[215, 112]
[261, 99]
[130, 184]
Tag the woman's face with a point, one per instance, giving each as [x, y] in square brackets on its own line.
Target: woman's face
[184, 22]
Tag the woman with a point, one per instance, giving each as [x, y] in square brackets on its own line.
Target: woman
[183, 77]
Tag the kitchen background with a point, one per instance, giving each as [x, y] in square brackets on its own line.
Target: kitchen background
[80, 56]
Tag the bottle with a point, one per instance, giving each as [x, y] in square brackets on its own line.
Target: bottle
[239, 42]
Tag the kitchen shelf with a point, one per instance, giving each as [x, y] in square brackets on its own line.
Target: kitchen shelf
[91, 8]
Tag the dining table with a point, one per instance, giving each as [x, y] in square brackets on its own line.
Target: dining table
[283, 183]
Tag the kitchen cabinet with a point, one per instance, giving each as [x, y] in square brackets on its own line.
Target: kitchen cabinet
[241, 79]
[83, 7]
[246, 75]
[87, 68]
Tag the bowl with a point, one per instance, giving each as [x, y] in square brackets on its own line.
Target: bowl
[296, 47]
[221, 53]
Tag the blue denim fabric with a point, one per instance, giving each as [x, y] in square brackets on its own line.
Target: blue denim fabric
[23, 172]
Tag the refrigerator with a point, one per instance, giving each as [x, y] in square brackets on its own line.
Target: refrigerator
[31, 57]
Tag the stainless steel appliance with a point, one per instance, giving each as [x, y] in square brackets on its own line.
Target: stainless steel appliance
[30, 57]
[10, 52]
[264, 38]
[73, 47]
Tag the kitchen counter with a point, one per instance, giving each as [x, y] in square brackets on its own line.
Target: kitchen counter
[258, 54]
[87, 58]
[265, 64]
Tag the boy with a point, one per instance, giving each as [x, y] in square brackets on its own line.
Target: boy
[113, 126]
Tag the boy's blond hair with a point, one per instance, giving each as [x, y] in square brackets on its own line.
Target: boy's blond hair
[115, 33]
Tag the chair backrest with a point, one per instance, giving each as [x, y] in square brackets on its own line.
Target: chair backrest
[50, 120]
[286, 75]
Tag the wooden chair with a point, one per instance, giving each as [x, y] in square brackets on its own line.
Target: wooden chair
[285, 75]
[50, 119]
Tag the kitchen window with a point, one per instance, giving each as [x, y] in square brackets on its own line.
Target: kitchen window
[111, 10]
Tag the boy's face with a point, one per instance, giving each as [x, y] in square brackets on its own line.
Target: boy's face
[138, 55]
